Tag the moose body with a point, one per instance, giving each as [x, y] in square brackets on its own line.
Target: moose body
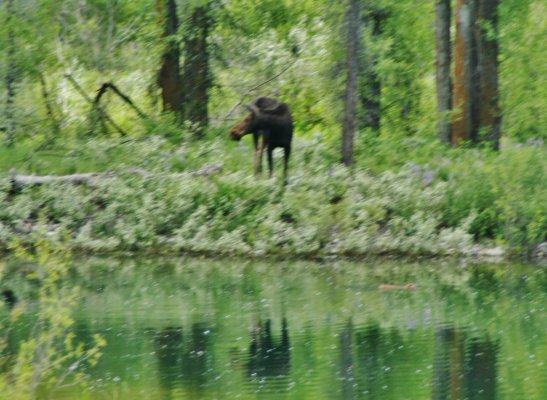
[270, 122]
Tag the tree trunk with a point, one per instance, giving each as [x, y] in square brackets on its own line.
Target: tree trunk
[55, 124]
[443, 77]
[169, 74]
[196, 75]
[464, 127]
[11, 75]
[350, 106]
[489, 118]
[476, 73]
[371, 86]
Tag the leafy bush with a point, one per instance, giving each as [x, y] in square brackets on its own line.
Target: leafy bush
[440, 206]
[50, 358]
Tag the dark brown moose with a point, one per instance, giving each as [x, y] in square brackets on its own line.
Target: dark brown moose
[270, 122]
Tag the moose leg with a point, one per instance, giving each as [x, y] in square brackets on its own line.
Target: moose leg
[286, 155]
[270, 160]
[259, 150]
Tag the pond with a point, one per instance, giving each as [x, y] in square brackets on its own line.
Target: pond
[234, 329]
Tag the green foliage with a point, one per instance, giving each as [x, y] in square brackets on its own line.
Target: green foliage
[506, 192]
[523, 69]
[294, 50]
[50, 357]
[407, 196]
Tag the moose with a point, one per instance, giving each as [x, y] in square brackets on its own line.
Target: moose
[271, 124]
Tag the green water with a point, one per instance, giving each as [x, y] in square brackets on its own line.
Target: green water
[233, 329]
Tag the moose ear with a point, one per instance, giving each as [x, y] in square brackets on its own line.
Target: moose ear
[252, 108]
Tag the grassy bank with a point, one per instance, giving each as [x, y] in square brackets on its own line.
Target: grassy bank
[386, 205]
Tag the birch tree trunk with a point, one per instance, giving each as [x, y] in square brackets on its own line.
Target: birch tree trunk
[443, 62]
[351, 97]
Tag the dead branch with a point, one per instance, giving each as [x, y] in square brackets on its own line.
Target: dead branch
[91, 178]
[101, 110]
[109, 85]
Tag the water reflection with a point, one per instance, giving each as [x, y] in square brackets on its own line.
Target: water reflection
[480, 369]
[346, 361]
[369, 357]
[448, 367]
[168, 349]
[183, 363]
[269, 359]
[218, 331]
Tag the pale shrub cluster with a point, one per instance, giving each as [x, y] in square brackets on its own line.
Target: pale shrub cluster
[330, 212]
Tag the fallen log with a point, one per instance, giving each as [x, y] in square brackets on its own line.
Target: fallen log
[90, 178]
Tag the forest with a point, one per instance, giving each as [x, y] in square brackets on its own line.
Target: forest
[397, 249]
[419, 126]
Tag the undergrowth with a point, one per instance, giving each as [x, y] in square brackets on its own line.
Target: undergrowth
[404, 206]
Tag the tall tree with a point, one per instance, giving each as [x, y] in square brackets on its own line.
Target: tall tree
[443, 77]
[370, 84]
[196, 69]
[489, 118]
[476, 73]
[464, 127]
[11, 74]
[352, 82]
[169, 74]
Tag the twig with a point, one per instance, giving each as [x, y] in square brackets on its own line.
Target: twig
[258, 86]
[49, 109]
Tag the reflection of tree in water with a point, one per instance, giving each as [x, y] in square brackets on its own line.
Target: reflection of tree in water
[168, 344]
[267, 358]
[448, 364]
[375, 359]
[369, 360]
[463, 368]
[480, 369]
[195, 357]
[346, 361]
[182, 362]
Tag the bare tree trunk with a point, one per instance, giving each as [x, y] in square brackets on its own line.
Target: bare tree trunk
[11, 75]
[465, 91]
[465, 127]
[489, 118]
[196, 75]
[476, 73]
[371, 86]
[55, 124]
[350, 106]
[443, 77]
[169, 74]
